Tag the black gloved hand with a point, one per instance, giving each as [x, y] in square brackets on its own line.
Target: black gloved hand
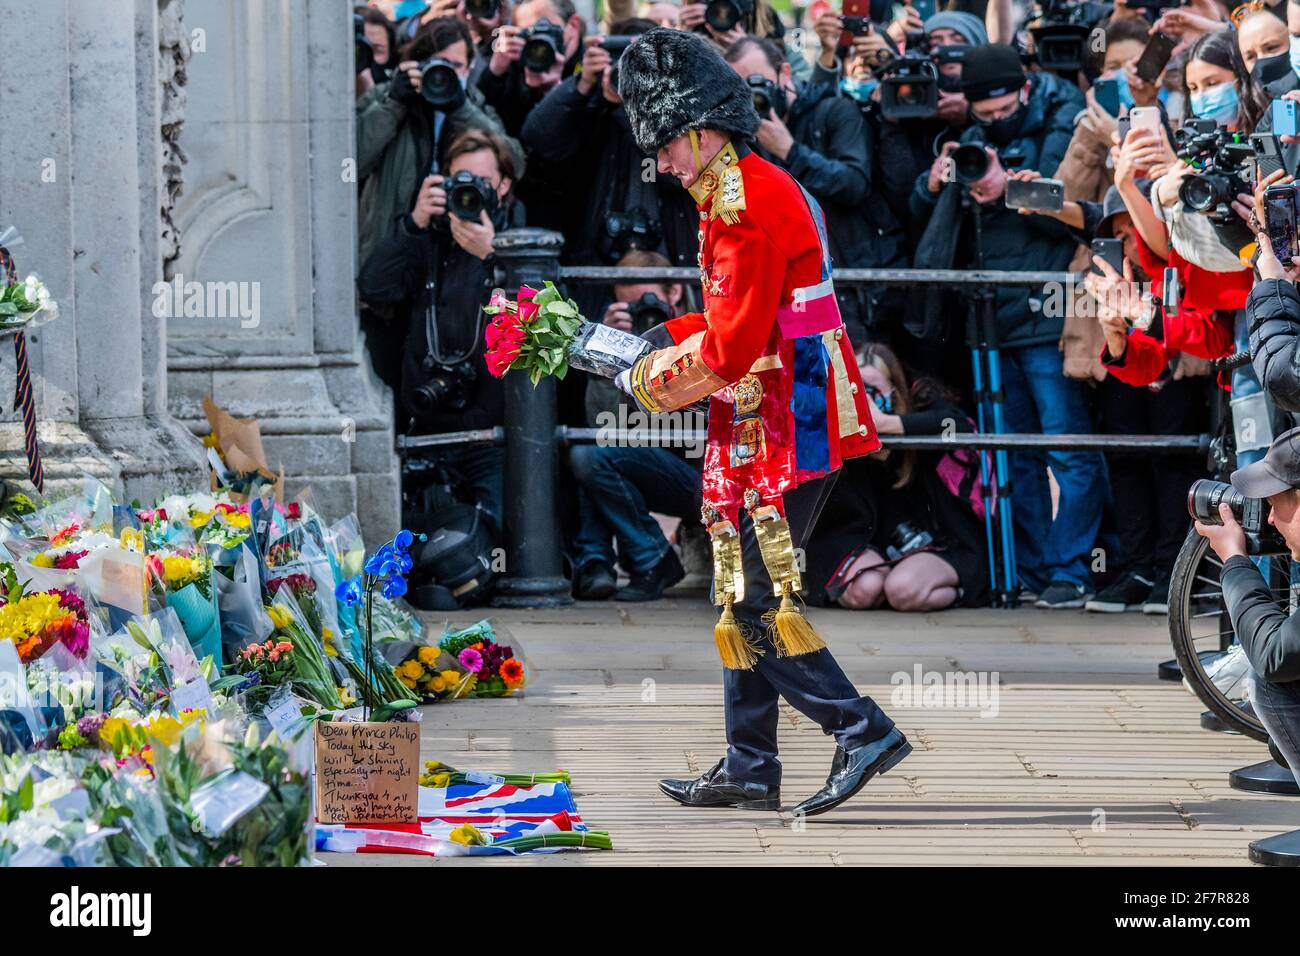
[401, 89]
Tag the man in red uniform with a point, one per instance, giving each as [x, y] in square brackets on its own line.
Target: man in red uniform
[786, 406]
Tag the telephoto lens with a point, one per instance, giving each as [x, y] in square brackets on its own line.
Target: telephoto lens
[647, 312]
[725, 15]
[469, 195]
[440, 85]
[969, 163]
[542, 43]
[767, 96]
[1205, 496]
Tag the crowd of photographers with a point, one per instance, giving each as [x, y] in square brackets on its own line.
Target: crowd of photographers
[1147, 147]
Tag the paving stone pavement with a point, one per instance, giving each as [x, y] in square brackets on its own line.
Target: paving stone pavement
[1081, 757]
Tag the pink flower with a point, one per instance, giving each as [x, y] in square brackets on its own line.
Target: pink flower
[471, 659]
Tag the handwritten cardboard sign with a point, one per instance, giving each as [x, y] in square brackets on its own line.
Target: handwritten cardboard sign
[367, 773]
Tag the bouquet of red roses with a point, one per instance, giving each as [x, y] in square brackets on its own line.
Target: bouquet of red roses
[544, 334]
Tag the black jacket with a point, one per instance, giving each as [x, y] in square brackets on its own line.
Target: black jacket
[396, 272]
[1273, 314]
[591, 140]
[832, 159]
[1010, 241]
[1269, 636]
[543, 191]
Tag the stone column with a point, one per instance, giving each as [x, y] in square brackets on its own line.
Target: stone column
[80, 161]
[269, 203]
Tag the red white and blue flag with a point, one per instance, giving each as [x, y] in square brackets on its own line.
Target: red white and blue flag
[500, 811]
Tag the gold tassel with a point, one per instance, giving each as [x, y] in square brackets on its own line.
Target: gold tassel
[790, 632]
[737, 653]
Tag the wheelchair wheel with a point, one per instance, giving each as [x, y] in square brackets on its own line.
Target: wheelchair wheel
[1201, 630]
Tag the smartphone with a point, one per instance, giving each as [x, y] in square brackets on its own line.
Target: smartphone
[1123, 123]
[1280, 219]
[1145, 117]
[1286, 118]
[1155, 56]
[1106, 93]
[1268, 155]
[1040, 195]
[1172, 290]
[859, 9]
[1110, 251]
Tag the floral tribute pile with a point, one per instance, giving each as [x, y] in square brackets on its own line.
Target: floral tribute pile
[161, 670]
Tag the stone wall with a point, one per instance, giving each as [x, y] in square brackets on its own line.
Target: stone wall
[149, 142]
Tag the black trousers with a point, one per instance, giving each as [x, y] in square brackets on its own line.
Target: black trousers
[814, 684]
[1149, 492]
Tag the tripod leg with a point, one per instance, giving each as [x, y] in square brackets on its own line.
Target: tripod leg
[1006, 526]
[985, 494]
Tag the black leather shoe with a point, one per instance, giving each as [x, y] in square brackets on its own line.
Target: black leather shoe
[851, 769]
[717, 788]
[650, 587]
[593, 582]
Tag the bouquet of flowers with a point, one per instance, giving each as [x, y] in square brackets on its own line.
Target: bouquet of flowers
[183, 578]
[432, 674]
[544, 334]
[265, 667]
[20, 302]
[495, 670]
[37, 621]
[310, 673]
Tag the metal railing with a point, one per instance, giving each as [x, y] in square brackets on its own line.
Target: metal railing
[531, 434]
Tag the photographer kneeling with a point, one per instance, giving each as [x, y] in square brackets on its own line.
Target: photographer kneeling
[439, 259]
[1269, 635]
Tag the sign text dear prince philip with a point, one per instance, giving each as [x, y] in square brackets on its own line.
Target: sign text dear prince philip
[366, 773]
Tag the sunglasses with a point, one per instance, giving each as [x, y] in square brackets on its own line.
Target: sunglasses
[1241, 11]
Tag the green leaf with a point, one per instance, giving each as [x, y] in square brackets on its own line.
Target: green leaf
[8, 308]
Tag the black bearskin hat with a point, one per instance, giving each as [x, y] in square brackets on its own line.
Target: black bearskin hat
[672, 81]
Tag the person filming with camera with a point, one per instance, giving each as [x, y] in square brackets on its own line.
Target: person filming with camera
[1269, 636]
[439, 260]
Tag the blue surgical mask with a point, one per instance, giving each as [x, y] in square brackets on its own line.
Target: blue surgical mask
[1218, 103]
[858, 89]
[1121, 84]
[1295, 54]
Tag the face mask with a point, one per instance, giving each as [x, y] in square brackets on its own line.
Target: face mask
[883, 402]
[1218, 103]
[1270, 69]
[858, 89]
[1294, 54]
[1002, 131]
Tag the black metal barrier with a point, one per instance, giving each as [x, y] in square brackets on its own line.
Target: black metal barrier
[531, 434]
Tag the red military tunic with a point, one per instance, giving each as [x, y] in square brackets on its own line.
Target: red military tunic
[770, 315]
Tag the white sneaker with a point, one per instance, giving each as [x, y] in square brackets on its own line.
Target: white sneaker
[1231, 673]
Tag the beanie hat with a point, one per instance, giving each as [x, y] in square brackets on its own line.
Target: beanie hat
[672, 81]
[991, 70]
[968, 25]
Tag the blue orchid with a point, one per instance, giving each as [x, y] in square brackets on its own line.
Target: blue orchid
[349, 592]
[394, 587]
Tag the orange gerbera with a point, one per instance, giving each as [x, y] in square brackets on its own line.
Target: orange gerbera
[512, 672]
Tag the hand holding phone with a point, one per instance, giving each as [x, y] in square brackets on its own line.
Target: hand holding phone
[1037, 195]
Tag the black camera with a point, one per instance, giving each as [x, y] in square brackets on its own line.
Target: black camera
[365, 52]
[482, 9]
[1221, 161]
[909, 84]
[1204, 498]
[1062, 33]
[970, 162]
[857, 26]
[647, 312]
[768, 97]
[724, 15]
[906, 539]
[440, 85]
[634, 229]
[614, 46]
[469, 196]
[543, 42]
[446, 388]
